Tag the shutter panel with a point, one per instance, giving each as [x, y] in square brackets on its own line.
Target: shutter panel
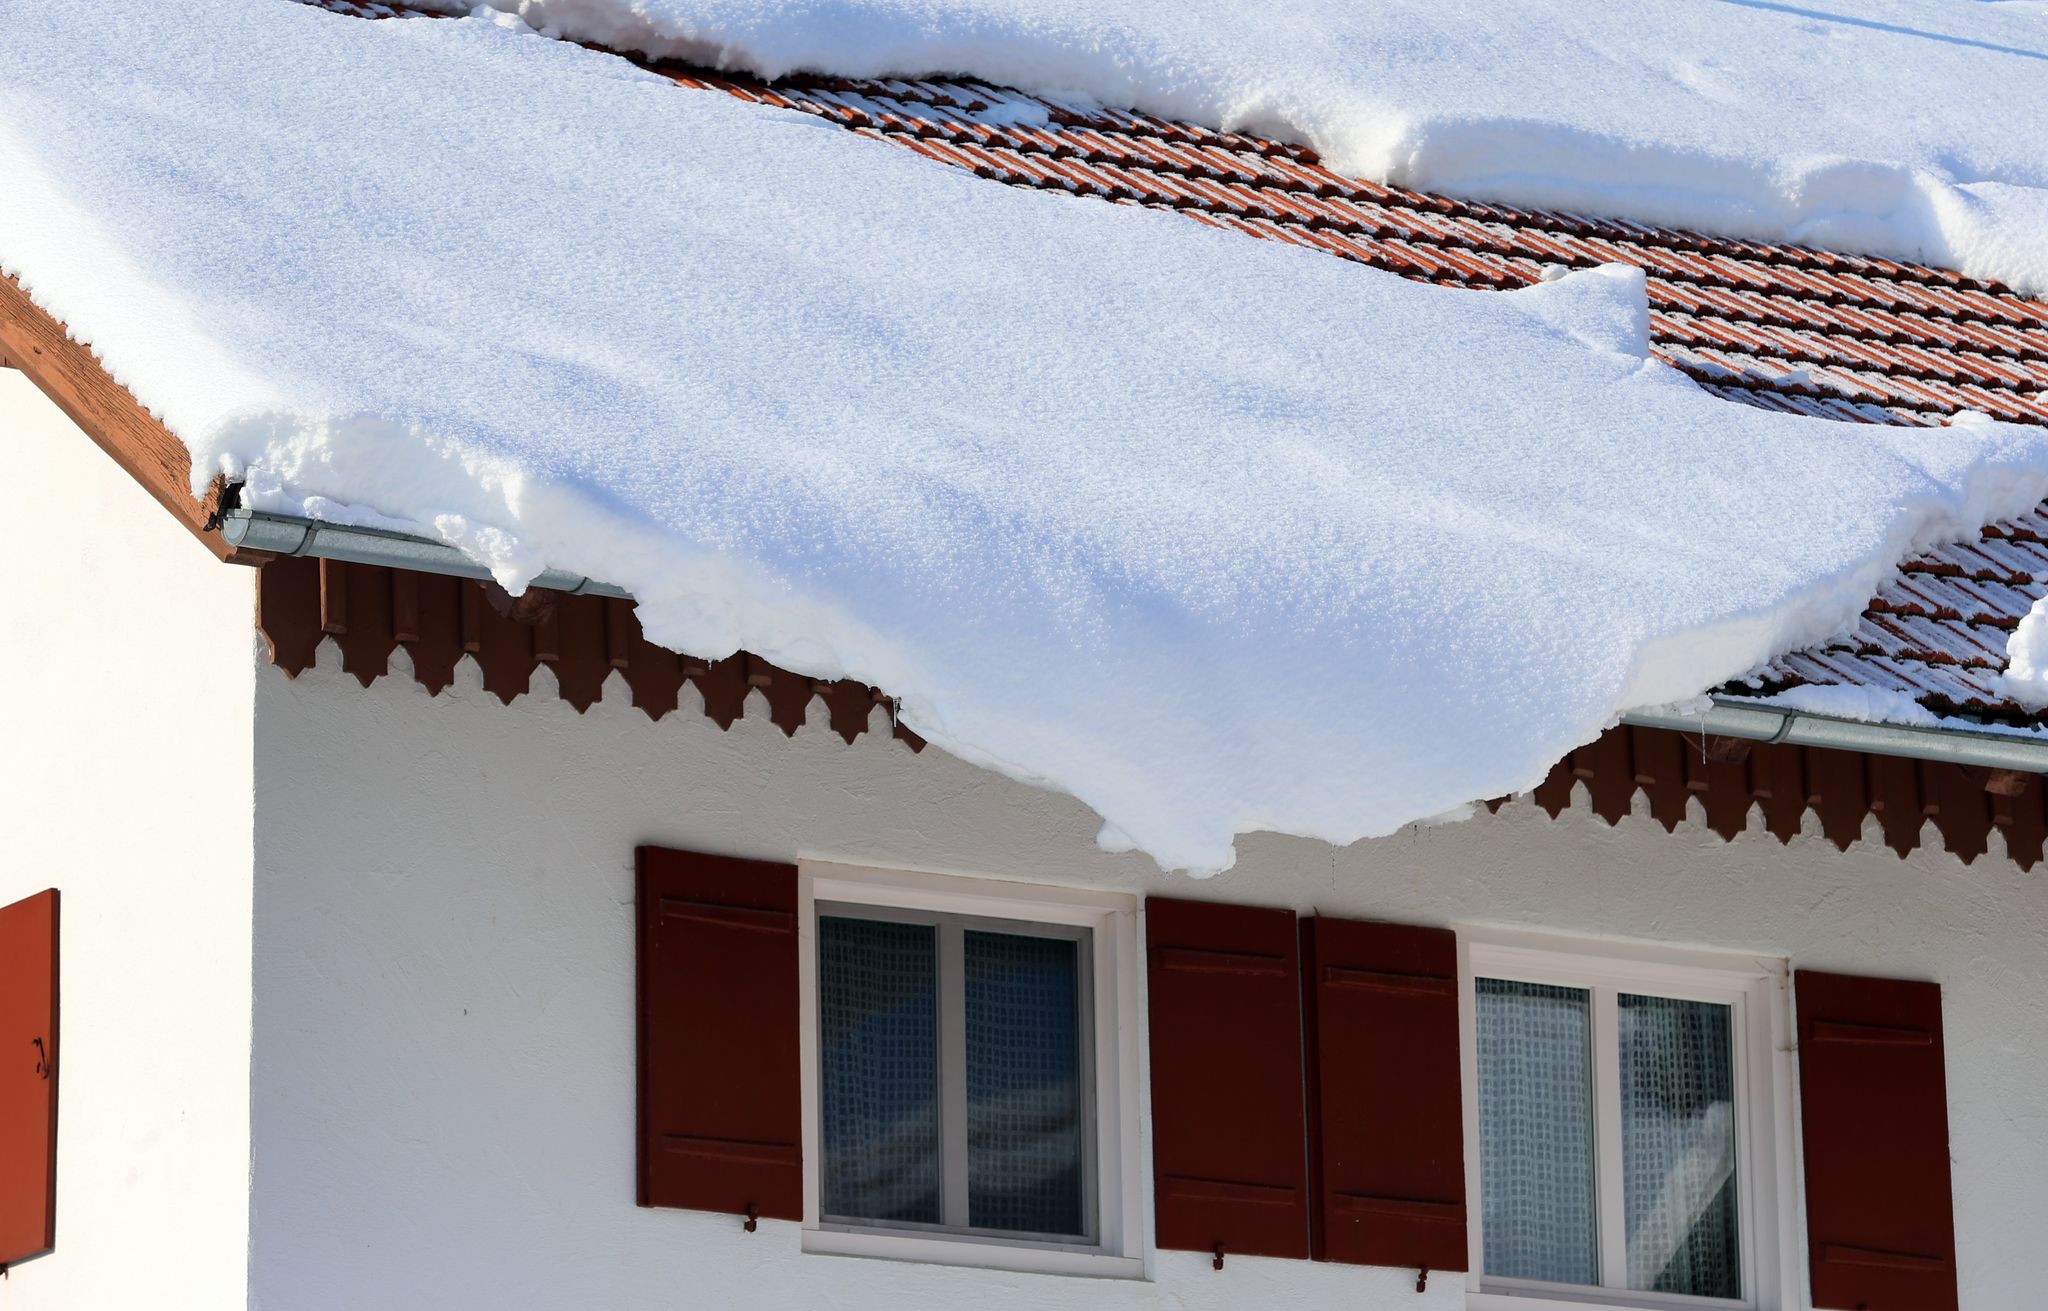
[1880, 1222]
[28, 1077]
[1228, 1146]
[1386, 1106]
[720, 1124]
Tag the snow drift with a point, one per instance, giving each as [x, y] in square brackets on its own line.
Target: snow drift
[2026, 653]
[1214, 534]
[1916, 129]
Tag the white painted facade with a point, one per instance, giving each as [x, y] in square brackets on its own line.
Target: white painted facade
[348, 978]
[127, 664]
[444, 1090]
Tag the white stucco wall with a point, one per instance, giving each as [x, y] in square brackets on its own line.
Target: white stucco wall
[444, 963]
[125, 781]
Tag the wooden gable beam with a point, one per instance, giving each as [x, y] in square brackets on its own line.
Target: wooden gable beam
[71, 376]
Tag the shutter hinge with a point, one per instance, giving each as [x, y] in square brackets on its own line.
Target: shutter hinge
[43, 1064]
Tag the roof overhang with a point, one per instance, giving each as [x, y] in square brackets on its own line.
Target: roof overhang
[1728, 717]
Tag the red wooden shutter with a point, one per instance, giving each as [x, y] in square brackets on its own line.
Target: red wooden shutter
[1880, 1222]
[720, 1125]
[1228, 1147]
[28, 1077]
[1386, 1109]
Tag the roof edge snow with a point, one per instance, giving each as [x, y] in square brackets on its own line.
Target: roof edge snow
[369, 592]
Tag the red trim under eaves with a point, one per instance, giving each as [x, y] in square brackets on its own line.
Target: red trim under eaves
[371, 610]
[1781, 781]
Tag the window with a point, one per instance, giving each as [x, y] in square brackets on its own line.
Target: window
[953, 1073]
[1624, 1110]
[965, 1071]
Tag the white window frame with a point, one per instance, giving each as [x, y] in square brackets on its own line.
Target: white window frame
[1111, 991]
[1757, 989]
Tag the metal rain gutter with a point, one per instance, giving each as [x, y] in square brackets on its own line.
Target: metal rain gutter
[282, 534]
[1728, 717]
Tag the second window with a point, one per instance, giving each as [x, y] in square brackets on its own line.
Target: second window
[1622, 1139]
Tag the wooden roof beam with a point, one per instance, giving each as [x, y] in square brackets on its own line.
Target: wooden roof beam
[72, 377]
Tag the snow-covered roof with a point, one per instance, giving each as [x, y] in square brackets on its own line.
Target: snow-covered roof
[1793, 328]
[1215, 534]
[1781, 327]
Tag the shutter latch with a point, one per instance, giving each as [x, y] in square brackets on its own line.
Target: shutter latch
[42, 1058]
[753, 1217]
[1217, 1264]
[1422, 1279]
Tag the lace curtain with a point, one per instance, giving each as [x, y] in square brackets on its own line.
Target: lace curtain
[1536, 1132]
[878, 1068]
[1024, 1113]
[1678, 1147]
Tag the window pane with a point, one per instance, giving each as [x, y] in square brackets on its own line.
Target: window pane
[878, 1068]
[1678, 1146]
[1536, 1132]
[1025, 1101]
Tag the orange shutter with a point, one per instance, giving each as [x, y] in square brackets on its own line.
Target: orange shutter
[28, 1077]
[720, 1125]
[1880, 1222]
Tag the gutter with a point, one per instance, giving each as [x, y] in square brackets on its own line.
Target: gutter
[283, 534]
[1749, 721]
[1729, 717]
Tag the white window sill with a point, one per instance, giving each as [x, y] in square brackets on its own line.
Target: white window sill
[974, 1252]
[1594, 1299]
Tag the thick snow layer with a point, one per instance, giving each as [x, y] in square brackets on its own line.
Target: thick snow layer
[1213, 533]
[1911, 128]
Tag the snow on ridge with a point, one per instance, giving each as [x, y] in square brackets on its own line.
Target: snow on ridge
[1861, 125]
[1216, 535]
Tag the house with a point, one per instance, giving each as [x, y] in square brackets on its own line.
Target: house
[422, 945]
